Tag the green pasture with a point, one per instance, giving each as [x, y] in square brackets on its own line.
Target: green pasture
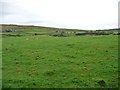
[60, 62]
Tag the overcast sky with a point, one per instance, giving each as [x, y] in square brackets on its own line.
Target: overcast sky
[79, 14]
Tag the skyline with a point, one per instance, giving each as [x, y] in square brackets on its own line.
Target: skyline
[71, 14]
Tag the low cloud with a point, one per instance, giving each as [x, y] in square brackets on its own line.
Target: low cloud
[6, 8]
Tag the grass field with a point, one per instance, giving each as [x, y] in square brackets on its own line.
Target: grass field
[66, 62]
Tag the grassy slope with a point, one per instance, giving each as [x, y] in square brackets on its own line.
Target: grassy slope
[31, 30]
[60, 62]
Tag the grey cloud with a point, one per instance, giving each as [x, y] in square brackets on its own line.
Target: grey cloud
[10, 7]
[7, 7]
[4, 8]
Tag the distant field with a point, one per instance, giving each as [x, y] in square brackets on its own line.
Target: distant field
[54, 62]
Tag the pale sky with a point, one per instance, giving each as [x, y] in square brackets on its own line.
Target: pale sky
[76, 14]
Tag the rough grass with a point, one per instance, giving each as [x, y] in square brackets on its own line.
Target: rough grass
[66, 62]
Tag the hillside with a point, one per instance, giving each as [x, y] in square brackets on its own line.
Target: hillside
[23, 30]
[13, 26]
